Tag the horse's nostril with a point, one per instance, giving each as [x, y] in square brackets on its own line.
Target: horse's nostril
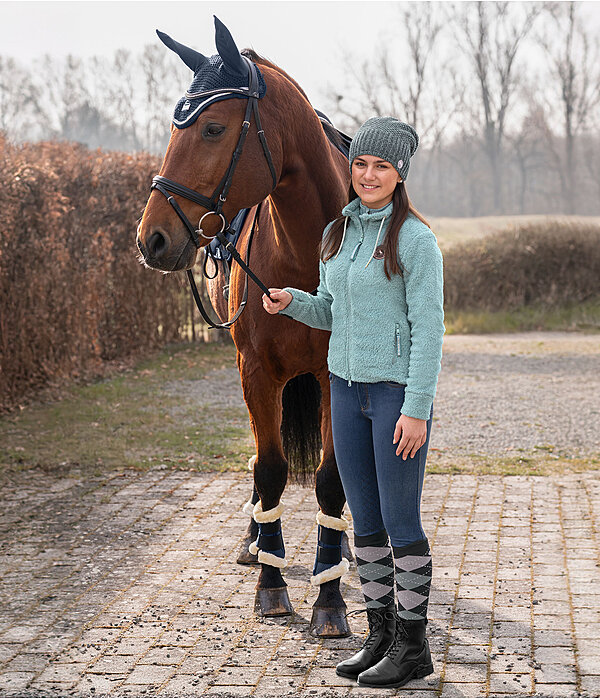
[157, 244]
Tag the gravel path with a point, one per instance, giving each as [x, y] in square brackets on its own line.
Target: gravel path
[497, 394]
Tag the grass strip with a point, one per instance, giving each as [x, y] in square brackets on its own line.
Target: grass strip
[151, 414]
[160, 412]
[575, 317]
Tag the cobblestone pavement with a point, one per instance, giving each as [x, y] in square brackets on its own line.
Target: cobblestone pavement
[126, 584]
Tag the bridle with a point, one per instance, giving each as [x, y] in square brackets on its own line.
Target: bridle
[214, 203]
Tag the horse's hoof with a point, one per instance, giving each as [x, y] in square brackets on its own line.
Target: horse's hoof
[244, 556]
[272, 602]
[329, 622]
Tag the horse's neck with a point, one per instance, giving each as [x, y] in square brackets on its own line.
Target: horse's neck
[306, 199]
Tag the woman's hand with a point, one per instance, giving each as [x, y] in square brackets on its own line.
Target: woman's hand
[412, 433]
[281, 299]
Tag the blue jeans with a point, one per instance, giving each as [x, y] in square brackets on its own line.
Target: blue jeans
[383, 490]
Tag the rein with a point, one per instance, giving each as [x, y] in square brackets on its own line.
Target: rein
[214, 203]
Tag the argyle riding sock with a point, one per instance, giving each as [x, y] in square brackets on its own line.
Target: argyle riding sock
[376, 573]
[413, 579]
[375, 569]
[408, 656]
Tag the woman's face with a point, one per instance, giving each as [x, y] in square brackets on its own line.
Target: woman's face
[374, 180]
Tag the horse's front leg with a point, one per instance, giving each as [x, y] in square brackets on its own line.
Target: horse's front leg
[263, 399]
[333, 552]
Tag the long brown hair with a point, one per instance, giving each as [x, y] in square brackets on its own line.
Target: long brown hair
[392, 265]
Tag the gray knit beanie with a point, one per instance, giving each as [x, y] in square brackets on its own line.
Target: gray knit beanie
[387, 138]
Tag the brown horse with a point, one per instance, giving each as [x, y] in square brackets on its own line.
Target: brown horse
[282, 363]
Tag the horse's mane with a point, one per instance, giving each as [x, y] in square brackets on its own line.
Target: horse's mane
[330, 131]
[262, 61]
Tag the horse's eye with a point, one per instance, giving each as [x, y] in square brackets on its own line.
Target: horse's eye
[212, 130]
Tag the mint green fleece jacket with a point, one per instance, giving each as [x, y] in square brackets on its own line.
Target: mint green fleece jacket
[381, 330]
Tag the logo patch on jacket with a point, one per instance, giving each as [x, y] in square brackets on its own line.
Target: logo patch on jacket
[379, 254]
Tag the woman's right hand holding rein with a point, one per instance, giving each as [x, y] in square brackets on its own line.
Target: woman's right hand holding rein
[281, 299]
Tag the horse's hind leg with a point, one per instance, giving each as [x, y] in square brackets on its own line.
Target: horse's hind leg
[329, 610]
[244, 556]
[270, 476]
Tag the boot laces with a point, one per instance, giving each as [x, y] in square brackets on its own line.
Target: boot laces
[400, 637]
[375, 623]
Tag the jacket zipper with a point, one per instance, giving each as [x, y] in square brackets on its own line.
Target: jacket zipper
[352, 259]
[348, 330]
[398, 348]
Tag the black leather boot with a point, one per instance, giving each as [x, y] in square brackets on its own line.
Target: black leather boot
[382, 625]
[408, 657]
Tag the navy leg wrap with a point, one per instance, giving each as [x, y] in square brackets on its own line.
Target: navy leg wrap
[329, 549]
[270, 538]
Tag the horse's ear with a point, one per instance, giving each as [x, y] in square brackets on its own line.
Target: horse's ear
[192, 59]
[227, 49]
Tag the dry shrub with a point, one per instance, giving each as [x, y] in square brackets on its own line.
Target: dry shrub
[72, 292]
[544, 264]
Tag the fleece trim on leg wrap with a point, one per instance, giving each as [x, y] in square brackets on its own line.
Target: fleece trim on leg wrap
[375, 569]
[332, 573]
[271, 559]
[269, 547]
[248, 508]
[331, 522]
[329, 564]
[413, 579]
[267, 516]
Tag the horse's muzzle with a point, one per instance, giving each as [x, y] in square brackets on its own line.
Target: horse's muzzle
[160, 254]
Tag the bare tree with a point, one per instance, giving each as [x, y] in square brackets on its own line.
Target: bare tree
[574, 65]
[19, 101]
[120, 93]
[66, 93]
[156, 67]
[490, 35]
[406, 86]
[530, 159]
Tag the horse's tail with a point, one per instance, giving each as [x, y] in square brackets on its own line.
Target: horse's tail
[300, 426]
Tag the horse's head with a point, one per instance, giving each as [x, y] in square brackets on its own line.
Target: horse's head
[208, 127]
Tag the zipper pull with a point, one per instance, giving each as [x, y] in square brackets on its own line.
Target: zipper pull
[355, 251]
[398, 339]
[358, 245]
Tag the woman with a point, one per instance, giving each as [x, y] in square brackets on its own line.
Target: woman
[381, 296]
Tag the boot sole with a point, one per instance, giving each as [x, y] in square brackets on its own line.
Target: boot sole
[419, 672]
[351, 676]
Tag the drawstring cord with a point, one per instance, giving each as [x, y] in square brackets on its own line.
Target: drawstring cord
[358, 245]
[376, 242]
[343, 237]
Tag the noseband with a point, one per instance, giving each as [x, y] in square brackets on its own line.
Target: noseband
[214, 203]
